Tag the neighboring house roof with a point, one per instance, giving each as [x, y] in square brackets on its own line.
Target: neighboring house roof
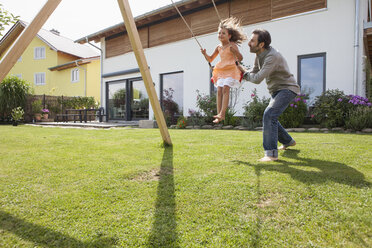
[51, 38]
[73, 64]
[158, 15]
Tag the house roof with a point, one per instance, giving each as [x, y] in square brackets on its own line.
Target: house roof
[158, 15]
[73, 63]
[51, 38]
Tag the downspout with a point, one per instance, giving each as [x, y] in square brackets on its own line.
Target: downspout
[101, 61]
[356, 48]
[85, 76]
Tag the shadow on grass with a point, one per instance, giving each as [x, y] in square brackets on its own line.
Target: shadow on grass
[45, 237]
[256, 237]
[164, 233]
[325, 170]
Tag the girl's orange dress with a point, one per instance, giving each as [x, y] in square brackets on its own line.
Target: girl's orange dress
[226, 67]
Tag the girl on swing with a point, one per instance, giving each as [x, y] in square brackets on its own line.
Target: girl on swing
[226, 73]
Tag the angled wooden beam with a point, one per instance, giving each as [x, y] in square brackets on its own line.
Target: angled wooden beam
[26, 37]
[144, 68]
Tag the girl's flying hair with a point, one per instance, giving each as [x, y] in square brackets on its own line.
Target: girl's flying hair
[232, 25]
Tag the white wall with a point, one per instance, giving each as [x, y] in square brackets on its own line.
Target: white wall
[330, 30]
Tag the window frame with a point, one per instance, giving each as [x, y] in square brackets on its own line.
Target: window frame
[35, 78]
[73, 79]
[161, 85]
[308, 56]
[36, 53]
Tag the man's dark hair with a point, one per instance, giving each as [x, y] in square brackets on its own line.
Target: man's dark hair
[263, 36]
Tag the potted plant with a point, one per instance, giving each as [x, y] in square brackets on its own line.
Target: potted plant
[36, 109]
[45, 113]
[17, 115]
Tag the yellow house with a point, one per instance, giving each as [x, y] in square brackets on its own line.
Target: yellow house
[55, 65]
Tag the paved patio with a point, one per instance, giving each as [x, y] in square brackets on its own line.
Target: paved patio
[92, 124]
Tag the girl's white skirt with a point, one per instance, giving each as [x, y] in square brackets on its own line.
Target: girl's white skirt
[231, 82]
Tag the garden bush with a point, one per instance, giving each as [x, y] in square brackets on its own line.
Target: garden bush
[181, 122]
[359, 118]
[207, 105]
[294, 115]
[230, 118]
[170, 107]
[334, 109]
[331, 108]
[195, 118]
[254, 109]
[13, 94]
[78, 103]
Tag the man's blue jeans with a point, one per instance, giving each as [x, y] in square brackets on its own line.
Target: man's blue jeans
[272, 130]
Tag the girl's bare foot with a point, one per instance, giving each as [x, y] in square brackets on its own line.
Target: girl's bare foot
[218, 118]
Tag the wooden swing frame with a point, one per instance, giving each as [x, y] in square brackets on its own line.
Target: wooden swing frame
[31, 31]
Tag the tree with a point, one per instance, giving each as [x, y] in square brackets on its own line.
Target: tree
[6, 19]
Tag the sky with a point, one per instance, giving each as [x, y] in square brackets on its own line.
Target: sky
[75, 19]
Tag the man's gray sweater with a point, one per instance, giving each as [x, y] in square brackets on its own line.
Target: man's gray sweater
[270, 64]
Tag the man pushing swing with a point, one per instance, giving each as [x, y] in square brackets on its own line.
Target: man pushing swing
[269, 64]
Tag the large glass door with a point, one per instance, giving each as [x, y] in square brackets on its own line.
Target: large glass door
[116, 100]
[127, 100]
[139, 104]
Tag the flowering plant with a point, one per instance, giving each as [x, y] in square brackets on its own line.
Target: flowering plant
[181, 122]
[17, 114]
[357, 100]
[254, 109]
[331, 108]
[45, 111]
[195, 118]
[207, 105]
[295, 114]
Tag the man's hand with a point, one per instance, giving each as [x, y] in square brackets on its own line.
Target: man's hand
[242, 68]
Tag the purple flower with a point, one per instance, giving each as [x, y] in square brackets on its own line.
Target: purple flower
[339, 99]
[291, 104]
[304, 100]
[369, 104]
[295, 106]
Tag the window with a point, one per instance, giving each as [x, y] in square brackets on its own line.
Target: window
[75, 75]
[171, 96]
[39, 53]
[39, 78]
[312, 74]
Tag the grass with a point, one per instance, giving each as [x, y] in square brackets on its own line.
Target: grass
[120, 188]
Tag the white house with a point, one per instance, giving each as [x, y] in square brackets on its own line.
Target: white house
[326, 44]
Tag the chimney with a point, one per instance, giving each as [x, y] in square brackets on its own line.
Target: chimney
[54, 31]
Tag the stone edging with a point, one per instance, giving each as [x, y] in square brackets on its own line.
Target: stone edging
[312, 129]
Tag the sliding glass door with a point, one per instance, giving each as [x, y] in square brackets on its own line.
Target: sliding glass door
[127, 100]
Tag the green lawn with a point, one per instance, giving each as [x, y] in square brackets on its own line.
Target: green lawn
[120, 188]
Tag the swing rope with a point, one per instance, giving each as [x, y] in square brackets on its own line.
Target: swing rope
[192, 33]
[218, 14]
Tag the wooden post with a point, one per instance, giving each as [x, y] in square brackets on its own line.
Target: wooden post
[144, 69]
[26, 37]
